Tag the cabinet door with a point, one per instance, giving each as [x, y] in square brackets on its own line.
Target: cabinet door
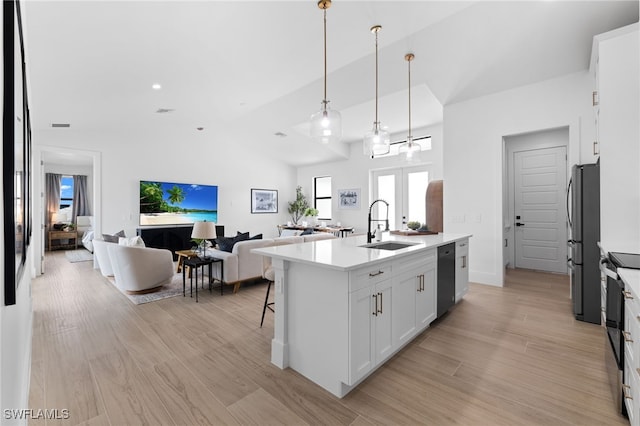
[383, 339]
[361, 328]
[462, 269]
[426, 298]
[406, 287]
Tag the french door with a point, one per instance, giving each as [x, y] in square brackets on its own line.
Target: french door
[405, 190]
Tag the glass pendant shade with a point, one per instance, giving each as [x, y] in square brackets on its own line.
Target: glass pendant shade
[376, 141]
[411, 149]
[326, 125]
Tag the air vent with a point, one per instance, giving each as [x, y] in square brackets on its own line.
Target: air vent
[164, 110]
[60, 125]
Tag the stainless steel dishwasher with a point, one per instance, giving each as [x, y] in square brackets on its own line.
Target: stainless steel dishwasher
[446, 278]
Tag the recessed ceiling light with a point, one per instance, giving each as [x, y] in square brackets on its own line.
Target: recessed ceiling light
[280, 134]
[156, 86]
[200, 128]
[164, 110]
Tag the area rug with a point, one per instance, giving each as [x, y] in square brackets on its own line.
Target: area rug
[172, 289]
[81, 255]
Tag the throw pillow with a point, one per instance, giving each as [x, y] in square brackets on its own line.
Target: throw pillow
[131, 242]
[307, 231]
[113, 238]
[225, 243]
[256, 237]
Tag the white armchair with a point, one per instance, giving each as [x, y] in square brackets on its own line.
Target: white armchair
[101, 256]
[140, 269]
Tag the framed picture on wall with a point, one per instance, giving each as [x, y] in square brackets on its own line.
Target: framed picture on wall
[264, 201]
[16, 151]
[349, 199]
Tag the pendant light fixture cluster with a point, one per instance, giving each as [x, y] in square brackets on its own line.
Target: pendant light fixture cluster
[376, 141]
[326, 124]
[409, 148]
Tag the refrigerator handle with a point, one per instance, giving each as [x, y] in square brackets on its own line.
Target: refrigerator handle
[568, 194]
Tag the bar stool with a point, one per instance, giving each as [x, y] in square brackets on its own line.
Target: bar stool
[269, 275]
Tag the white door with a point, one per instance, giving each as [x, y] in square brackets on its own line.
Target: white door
[405, 190]
[540, 205]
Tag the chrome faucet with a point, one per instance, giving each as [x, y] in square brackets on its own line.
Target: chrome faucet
[386, 221]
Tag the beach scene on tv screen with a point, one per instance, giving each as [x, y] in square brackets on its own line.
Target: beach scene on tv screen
[169, 203]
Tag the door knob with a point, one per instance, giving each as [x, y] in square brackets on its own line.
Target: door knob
[519, 224]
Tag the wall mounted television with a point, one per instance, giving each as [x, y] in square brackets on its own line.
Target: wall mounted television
[170, 203]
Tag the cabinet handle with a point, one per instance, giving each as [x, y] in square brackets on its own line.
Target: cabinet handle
[422, 281]
[625, 390]
[595, 150]
[594, 98]
[375, 274]
[375, 310]
[627, 337]
[419, 283]
[464, 261]
[638, 317]
[627, 295]
[380, 311]
[462, 244]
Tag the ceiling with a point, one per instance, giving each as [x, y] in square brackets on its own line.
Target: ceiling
[252, 69]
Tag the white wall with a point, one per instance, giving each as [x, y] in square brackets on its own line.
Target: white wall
[177, 155]
[354, 173]
[16, 330]
[473, 157]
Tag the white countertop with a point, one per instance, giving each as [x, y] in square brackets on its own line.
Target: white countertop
[345, 253]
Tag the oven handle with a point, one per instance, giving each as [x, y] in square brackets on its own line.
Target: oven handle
[608, 272]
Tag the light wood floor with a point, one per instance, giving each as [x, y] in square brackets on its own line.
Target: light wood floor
[503, 356]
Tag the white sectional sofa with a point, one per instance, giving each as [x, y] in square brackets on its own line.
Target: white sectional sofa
[241, 265]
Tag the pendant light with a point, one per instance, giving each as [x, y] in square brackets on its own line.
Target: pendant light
[410, 148]
[376, 141]
[326, 124]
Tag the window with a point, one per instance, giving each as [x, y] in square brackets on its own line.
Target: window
[66, 192]
[322, 196]
[423, 141]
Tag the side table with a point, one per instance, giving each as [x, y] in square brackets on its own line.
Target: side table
[63, 235]
[196, 263]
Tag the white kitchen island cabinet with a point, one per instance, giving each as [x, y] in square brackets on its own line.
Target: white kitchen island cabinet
[342, 310]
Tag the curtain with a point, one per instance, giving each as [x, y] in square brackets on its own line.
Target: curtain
[52, 194]
[80, 201]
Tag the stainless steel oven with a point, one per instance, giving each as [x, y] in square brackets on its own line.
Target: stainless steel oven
[614, 319]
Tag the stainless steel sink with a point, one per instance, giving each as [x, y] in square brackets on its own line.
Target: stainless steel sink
[389, 245]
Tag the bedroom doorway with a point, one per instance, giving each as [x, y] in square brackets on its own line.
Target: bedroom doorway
[66, 162]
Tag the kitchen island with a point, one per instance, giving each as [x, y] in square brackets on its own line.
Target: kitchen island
[342, 309]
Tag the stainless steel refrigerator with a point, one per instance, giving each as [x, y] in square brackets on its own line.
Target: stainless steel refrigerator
[583, 207]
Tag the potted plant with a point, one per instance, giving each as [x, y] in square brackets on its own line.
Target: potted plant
[298, 207]
[312, 213]
[414, 225]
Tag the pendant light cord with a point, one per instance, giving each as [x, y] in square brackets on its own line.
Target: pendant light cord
[409, 58]
[377, 123]
[325, 57]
